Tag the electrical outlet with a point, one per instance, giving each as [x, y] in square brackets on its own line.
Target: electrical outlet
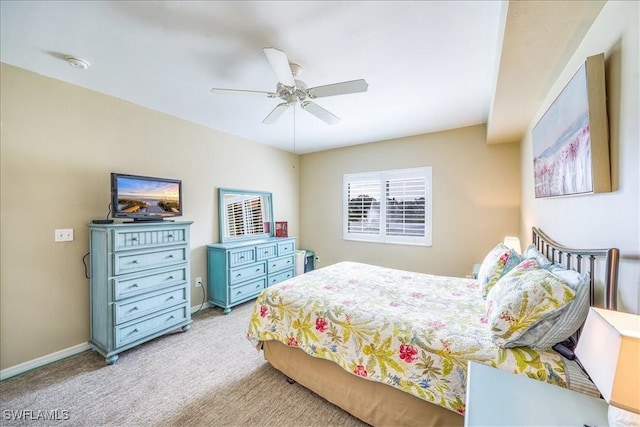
[198, 282]
[64, 235]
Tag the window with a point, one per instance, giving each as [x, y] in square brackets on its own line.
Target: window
[390, 206]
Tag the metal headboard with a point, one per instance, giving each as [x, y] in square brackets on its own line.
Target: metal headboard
[567, 256]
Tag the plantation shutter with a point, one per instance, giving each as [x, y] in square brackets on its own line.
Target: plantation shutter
[405, 205]
[244, 217]
[389, 206]
[364, 206]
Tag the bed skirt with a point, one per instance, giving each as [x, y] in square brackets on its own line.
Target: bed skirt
[374, 403]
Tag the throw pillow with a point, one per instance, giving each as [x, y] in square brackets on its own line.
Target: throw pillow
[532, 252]
[498, 261]
[522, 299]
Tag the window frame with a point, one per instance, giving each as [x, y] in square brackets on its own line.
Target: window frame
[381, 178]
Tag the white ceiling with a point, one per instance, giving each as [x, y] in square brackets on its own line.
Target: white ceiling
[430, 65]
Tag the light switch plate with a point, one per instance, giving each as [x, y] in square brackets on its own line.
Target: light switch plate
[64, 235]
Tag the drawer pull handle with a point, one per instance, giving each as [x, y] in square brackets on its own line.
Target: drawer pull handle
[135, 261]
[266, 252]
[134, 239]
[134, 331]
[258, 286]
[238, 293]
[171, 317]
[170, 256]
[170, 236]
[134, 309]
[170, 278]
[171, 297]
[257, 269]
[241, 256]
[239, 275]
[288, 261]
[135, 285]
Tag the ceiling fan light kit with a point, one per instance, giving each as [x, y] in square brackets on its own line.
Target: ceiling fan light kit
[293, 91]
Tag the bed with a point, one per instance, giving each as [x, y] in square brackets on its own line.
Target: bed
[391, 347]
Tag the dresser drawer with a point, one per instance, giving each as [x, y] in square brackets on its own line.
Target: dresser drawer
[278, 264]
[279, 277]
[131, 332]
[130, 310]
[129, 262]
[266, 251]
[287, 247]
[242, 256]
[241, 274]
[246, 290]
[131, 285]
[134, 239]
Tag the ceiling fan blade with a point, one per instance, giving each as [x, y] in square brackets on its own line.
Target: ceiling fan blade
[320, 112]
[353, 86]
[276, 113]
[242, 92]
[280, 64]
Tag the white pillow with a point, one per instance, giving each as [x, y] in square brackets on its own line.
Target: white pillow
[532, 252]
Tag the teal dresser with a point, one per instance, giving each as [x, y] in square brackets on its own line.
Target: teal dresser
[140, 284]
[239, 271]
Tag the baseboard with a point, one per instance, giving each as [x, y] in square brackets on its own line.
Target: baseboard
[198, 308]
[44, 360]
[59, 355]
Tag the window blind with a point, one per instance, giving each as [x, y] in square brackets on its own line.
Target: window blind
[244, 217]
[388, 206]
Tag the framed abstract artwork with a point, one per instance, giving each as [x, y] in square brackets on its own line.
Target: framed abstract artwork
[571, 140]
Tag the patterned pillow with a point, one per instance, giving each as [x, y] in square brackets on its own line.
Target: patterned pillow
[498, 261]
[523, 299]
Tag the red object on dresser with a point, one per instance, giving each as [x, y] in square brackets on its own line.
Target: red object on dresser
[282, 229]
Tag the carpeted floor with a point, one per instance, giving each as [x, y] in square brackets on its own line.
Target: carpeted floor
[208, 376]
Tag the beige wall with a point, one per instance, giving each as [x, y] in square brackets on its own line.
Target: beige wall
[607, 219]
[59, 143]
[476, 199]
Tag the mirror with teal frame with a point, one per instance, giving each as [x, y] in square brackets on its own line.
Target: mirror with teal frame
[244, 215]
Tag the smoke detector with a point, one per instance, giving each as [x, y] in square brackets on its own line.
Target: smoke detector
[77, 63]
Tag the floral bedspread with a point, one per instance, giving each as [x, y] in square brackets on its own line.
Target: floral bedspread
[412, 331]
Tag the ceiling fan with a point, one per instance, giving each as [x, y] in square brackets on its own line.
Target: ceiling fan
[293, 91]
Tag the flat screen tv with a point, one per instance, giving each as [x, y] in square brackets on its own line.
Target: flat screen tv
[145, 198]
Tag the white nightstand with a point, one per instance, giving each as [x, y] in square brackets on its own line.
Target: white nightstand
[500, 398]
